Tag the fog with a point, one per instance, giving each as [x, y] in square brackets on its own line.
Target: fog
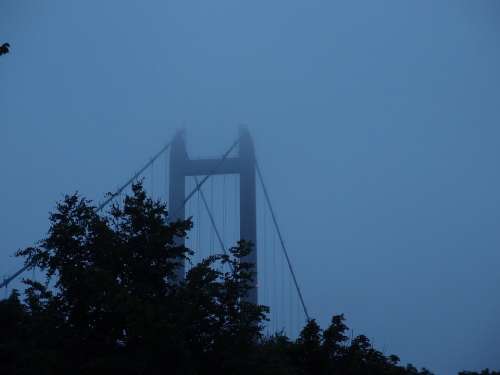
[376, 125]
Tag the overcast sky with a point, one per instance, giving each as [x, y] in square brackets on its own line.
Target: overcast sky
[376, 124]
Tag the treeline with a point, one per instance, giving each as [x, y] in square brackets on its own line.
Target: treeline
[111, 304]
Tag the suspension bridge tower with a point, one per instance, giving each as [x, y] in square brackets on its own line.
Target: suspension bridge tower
[181, 166]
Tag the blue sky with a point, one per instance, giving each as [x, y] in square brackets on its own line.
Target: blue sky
[376, 124]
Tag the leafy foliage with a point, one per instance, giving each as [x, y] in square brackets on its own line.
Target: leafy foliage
[4, 48]
[111, 303]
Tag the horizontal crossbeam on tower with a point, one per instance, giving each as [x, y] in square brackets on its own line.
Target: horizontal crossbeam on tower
[199, 167]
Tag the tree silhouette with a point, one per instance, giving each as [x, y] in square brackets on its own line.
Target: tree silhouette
[4, 49]
[111, 303]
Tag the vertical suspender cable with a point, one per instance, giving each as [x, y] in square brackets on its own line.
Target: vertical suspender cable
[152, 182]
[224, 208]
[211, 218]
[198, 230]
[290, 306]
[265, 248]
[282, 297]
[209, 210]
[275, 285]
[166, 180]
[236, 180]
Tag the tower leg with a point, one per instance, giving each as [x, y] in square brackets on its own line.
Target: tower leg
[248, 214]
[177, 191]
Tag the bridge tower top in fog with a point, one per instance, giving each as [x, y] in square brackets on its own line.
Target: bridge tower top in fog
[181, 166]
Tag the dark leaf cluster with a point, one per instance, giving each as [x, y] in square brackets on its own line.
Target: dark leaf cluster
[4, 48]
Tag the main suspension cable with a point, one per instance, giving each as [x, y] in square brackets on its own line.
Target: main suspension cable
[7, 280]
[282, 242]
[133, 178]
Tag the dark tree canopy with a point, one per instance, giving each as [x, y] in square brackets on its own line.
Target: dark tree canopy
[111, 304]
[4, 48]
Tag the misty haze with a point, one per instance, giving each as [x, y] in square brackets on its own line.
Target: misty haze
[353, 147]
